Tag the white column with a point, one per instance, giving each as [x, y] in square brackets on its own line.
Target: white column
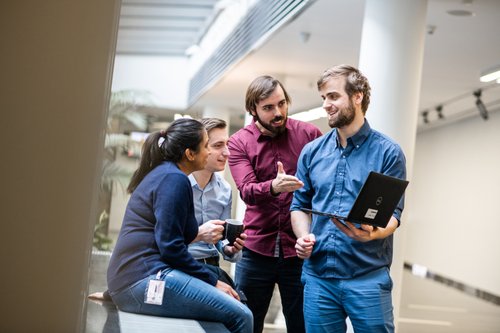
[391, 56]
[240, 205]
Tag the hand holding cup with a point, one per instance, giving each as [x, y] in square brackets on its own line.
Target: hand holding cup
[232, 230]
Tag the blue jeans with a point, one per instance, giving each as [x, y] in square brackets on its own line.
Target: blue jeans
[366, 300]
[186, 297]
[257, 275]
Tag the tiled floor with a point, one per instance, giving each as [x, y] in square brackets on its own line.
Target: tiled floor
[426, 306]
[432, 307]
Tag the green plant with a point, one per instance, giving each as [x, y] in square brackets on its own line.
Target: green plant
[124, 113]
[101, 240]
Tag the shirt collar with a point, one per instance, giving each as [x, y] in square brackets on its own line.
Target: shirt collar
[213, 180]
[358, 138]
[192, 180]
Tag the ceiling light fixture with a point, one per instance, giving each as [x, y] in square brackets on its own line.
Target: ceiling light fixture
[425, 116]
[490, 74]
[304, 36]
[439, 111]
[480, 105]
[309, 115]
[431, 29]
[192, 50]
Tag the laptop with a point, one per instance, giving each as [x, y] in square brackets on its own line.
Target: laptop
[375, 203]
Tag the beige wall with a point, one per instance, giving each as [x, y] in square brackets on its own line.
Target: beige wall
[56, 59]
[453, 224]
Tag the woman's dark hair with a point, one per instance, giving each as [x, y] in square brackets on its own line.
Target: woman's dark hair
[167, 145]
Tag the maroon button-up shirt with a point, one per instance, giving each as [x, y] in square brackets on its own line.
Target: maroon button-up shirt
[253, 166]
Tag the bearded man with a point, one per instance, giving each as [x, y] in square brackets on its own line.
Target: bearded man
[346, 267]
[263, 160]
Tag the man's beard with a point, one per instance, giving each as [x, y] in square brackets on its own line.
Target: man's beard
[344, 117]
[269, 127]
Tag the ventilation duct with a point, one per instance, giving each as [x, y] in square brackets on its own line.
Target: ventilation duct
[255, 28]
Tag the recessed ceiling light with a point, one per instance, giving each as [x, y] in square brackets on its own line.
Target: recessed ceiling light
[460, 12]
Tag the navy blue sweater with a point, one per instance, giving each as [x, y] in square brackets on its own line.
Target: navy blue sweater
[158, 225]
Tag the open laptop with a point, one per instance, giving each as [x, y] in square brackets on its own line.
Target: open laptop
[375, 203]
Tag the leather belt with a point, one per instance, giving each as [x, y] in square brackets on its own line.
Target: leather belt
[214, 261]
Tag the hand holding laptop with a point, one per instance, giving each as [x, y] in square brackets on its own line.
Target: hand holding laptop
[365, 232]
[375, 203]
[359, 234]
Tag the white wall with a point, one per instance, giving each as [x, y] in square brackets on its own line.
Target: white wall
[164, 77]
[56, 61]
[454, 221]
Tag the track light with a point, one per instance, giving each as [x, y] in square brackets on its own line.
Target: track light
[480, 105]
[439, 111]
[490, 74]
[425, 116]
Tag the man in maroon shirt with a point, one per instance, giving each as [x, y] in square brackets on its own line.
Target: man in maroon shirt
[263, 159]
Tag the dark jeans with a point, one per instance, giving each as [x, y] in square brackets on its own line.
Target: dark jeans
[257, 275]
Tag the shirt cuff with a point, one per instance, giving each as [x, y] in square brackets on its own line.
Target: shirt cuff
[270, 191]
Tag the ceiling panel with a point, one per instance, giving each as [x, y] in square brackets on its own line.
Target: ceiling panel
[163, 27]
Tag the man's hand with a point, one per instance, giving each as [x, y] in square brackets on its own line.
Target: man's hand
[366, 232]
[210, 231]
[284, 182]
[226, 289]
[238, 245]
[304, 246]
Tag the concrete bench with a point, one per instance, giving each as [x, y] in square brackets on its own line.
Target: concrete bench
[104, 317]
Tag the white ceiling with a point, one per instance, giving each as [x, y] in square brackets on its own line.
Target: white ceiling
[163, 27]
[455, 54]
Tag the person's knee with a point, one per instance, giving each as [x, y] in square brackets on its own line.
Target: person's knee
[248, 315]
[373, 326]
[244, 320]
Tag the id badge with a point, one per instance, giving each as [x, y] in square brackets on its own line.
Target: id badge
[154, 294]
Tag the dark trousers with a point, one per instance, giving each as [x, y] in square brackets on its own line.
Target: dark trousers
[257, 275]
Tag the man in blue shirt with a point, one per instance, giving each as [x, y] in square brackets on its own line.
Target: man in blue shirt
[346, 273]
[212, 200]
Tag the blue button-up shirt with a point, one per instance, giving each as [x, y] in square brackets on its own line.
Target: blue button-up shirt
[211, 203]
[333, 177]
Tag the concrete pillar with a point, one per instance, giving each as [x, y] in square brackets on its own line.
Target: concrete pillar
[391, 56]
[56, 63]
